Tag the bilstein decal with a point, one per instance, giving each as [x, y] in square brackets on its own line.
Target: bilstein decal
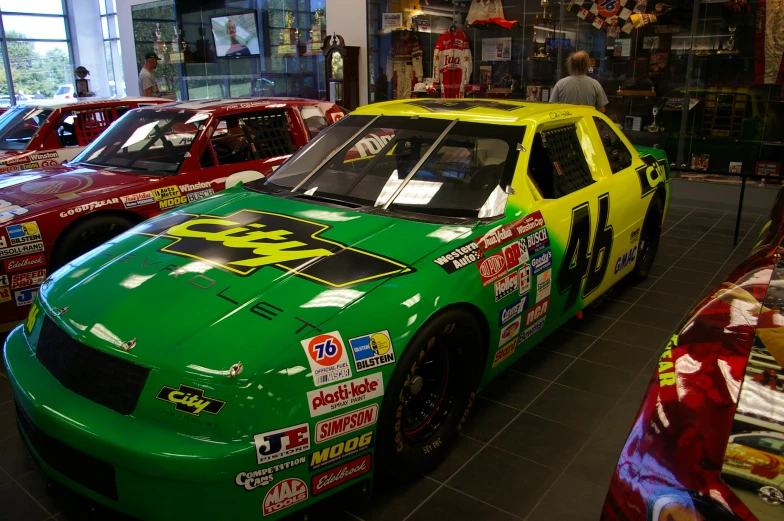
[249, 240]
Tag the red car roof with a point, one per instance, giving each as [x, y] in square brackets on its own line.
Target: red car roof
[221, 106]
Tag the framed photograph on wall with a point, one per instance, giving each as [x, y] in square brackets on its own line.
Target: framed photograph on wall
[768, 168]
[700, 161]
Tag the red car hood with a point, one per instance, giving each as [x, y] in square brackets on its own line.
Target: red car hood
[48, 188]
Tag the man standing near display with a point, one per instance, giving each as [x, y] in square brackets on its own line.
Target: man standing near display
[148, 86]
[578, 88]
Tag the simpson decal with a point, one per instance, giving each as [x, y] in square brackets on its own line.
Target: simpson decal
[511, 311]
[341, 474]
[346, 423]
[22, 249]
[491, 268]
[460, 257]
[359, 390]
[23, 233]
[505, 352]
[508, 285]
[327, 357]
[371, 351]
[341, 451]
[249, 240]
[285, 494]
[282, 443]
[509, 332]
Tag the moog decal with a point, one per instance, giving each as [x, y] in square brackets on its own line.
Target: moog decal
[249, 240]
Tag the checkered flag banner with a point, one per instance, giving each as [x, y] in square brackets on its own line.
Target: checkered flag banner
[610, 14]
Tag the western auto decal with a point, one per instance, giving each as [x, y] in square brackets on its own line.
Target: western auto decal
[249, 240]
[460, 257]
[371, 351]
[512, 310]
[505, 352]
[24, 263]
[285, 494]
[323, 401]
[345, 423]
[651, 174]
[282, 443]
[341, 474]
[263, 477]
[340, 451]
[491, 268]
[190, 400]
[327, 358]
[23, 233]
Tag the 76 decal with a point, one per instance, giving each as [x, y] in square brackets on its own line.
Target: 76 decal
[327, 357]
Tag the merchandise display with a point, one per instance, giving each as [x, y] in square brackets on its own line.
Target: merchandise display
[406, 57]
[360, 295]
[154, 159]
[37, 136]
[708, 440]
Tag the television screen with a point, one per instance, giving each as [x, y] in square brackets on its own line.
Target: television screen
[236, 35]
[553, 44]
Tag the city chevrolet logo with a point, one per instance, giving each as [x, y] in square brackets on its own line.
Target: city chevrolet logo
[249, 240]
[190, 400]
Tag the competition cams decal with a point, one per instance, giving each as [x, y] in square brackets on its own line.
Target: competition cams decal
[249, 240]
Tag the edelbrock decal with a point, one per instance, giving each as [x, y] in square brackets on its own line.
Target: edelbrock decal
[23, 263]
[323, 401]
[460, 257]
[335, 477]
[249, 240]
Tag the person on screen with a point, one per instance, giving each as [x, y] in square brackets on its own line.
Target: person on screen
[236, 49]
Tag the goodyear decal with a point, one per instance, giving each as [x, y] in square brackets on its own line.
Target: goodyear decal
[249, 240]
[651, 174]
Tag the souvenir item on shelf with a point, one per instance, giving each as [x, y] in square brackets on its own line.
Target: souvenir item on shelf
[533, 93]
[406, 63]
[700, 161]
[486, 12]
[736, 167]
[485, 74]
[452, 62]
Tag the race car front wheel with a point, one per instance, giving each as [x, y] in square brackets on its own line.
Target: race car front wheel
[649, 241]
[87, 234]
[429, 396]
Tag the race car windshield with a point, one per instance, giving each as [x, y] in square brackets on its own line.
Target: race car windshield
[152, 142]
[365, 160]
[19, 125]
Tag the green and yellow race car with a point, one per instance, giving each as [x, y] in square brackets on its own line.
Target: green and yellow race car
[302, 334]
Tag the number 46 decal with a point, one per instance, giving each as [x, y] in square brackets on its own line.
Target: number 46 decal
[579, 263]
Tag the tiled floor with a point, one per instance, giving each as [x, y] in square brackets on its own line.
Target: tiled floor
[544, 438]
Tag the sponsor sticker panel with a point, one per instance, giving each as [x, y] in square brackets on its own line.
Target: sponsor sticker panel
[5, 294]
[22, 249]
[24, 297]
[30, 278]
[531, 331]
[505, 352]
[525, 279]
[512, 310]
[625, 260]
[140, 199]
[284, 494]
[371, 351]
[541, 262]
[341, 451]
[536, 312]
[341, 474]
[537, 241]
[492, 268]
[460, 257]
[262, 477]
[508, 285]
[510, 331]
[282, 443]
[339, 396]
[543, 285]
[23, 233]
[349, 422]
[198, 196]
[327, 358]
[24, 263]
[3, 279]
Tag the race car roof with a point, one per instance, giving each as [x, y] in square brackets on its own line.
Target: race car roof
[221, 106]
[77, 103]
[473, 110]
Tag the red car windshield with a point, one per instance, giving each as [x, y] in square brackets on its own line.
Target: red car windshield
[147, 141]
[18, 126]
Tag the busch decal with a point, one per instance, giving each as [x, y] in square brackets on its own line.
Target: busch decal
[537, 241]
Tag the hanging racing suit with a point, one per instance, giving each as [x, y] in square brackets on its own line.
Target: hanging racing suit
[452, 62]
[484, 12]
[769, 42]
[406, 63]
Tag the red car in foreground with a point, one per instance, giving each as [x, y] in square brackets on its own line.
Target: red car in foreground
[151, 160]
[708, 440]
[47, 133]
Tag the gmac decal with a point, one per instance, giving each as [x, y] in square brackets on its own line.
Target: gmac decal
[652, 174]
[249, 240]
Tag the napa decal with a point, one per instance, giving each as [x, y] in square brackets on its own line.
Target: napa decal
[249, 240]
[651, 174]
[371, 351]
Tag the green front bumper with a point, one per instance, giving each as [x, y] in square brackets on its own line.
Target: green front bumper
[158, 474]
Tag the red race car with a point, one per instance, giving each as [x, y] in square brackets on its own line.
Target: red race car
[48, 133]
[708, 440]
[151, 160]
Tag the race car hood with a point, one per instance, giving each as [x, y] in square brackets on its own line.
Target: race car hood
[18, 157]
[239, 277]
[47, 188]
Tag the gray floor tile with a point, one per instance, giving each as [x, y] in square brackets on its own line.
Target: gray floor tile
[53, 497]
[393, 503]
[690, 276]
[595, 463]
[625, 293]
[608, 309]
[463, 450]
[541, 440]
[596, 378]
[698, 265]
[14, 501]
[620, 356]
[501, 479]
[573, 407]
[665, 302]
[452, 505]
[487, 419]
[680, 288]
[542, 364]
[570, 498]
[590, 324]
[637, 335]
[652, 317]
[15, 458]
[567, 342]
[514, 389]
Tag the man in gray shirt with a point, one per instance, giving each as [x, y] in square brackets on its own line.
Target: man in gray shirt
[577, 88]
[147, 84]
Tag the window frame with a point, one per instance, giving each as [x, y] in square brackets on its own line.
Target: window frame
[619, 139]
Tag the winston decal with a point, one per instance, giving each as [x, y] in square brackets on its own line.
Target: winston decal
[248, 240]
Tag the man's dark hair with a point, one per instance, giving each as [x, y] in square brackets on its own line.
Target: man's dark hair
[577, 63]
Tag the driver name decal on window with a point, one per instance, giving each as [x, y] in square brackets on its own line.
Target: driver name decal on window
[249, 240]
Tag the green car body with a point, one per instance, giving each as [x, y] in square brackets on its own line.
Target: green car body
[207, 307]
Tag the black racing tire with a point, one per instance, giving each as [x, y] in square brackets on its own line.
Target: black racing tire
[86, 235]
[429, 396]
[649, 241]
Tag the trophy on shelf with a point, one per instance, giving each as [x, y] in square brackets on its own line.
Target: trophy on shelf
[160, 45]
[728, 47]
[175, 56]
[318, 33]
[288, 36]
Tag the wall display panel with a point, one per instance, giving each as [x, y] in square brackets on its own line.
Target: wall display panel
[649, 57]
[220, 48]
